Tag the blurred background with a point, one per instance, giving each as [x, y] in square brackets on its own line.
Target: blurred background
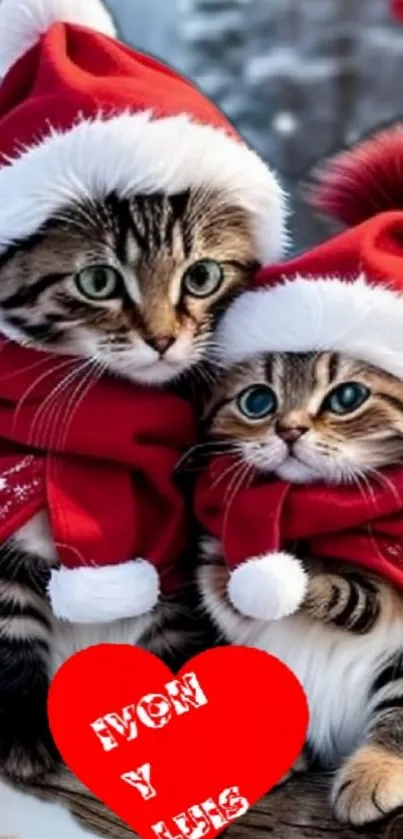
[299, 78]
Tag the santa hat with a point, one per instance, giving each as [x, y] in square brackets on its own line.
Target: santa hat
[345, 295]
[397, 9]
[83, 116]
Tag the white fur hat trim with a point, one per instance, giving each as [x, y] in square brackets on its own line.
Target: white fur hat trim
[96, 594]
[268, 587]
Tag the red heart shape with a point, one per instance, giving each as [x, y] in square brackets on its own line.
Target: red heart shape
[246, 727]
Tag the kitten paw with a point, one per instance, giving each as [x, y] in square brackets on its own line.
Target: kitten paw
[368, 787]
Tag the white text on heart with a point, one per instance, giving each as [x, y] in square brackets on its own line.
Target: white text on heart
[155, 710]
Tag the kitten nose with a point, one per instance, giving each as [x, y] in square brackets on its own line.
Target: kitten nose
[161, 343]
[290, 433]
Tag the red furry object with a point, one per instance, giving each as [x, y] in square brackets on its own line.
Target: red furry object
[363, 181]
[397, 9]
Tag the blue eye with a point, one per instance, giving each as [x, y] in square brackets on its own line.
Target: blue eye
[257, 402]
[346, 398]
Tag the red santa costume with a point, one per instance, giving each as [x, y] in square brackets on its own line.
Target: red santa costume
[347, 296]
[117, 517]
[83, 116]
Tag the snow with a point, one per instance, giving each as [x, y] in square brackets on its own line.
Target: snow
[284, 123]
[283, 62]
[330, 64]
[25, 817]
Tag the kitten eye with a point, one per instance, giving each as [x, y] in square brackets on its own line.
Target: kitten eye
[99, 282]
[257, 402]
[203, 278]
[346, 398]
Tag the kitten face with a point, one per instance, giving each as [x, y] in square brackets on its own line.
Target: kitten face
[311, 417]
[135, 285]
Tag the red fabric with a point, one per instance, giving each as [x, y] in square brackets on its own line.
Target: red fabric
[366, 179]
[73, 70]
[364, 528]
[375, 246]
[397, 9]
[105, 477]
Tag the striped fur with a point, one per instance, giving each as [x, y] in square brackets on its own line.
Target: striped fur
[25, 630]
[33, 645]
[346, 642]
[151, 243]
[152, 330]
[339, 596]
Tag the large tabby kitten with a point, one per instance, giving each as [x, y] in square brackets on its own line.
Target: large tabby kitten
[129, 286]
[324, 418]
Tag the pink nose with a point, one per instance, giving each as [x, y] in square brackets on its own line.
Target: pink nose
[161, 343]
[290, 433]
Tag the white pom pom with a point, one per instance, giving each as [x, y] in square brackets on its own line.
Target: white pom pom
[94, 595]
[268, 587]
[22, 22]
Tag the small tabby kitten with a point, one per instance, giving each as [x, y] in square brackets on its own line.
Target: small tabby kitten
[324, 418]
[133, 287]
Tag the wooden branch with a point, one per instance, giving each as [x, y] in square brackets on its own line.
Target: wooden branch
[297, 810]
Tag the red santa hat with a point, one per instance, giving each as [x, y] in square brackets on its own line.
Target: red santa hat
[83, 116]
[397, 9]
[345, 295]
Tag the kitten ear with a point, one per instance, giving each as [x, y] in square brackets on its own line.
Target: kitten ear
[179, 203]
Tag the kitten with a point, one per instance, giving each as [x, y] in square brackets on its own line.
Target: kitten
[136, 287]
[322, 417]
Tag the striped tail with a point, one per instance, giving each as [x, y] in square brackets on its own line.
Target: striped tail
[26, 747]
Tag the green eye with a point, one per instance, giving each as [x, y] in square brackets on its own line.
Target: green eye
[346, 398]
[203, 278]
[257, 402]
[99, 282]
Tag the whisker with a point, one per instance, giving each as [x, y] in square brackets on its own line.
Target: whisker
[228, 471]
[93, 376]
[242, 480]
[76, 398]
[46, 413]
[382, 479]
[58, 366]
[27, 369]
[359, 478]
[206, 449]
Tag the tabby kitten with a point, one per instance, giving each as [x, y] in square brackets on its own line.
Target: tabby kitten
[133, 287]
[324, 418]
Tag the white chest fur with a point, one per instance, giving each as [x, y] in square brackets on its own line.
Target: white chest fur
[69, 638]
[335, 667]
[334, 675]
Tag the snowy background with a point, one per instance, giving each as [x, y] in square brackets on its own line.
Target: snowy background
[297, 77]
